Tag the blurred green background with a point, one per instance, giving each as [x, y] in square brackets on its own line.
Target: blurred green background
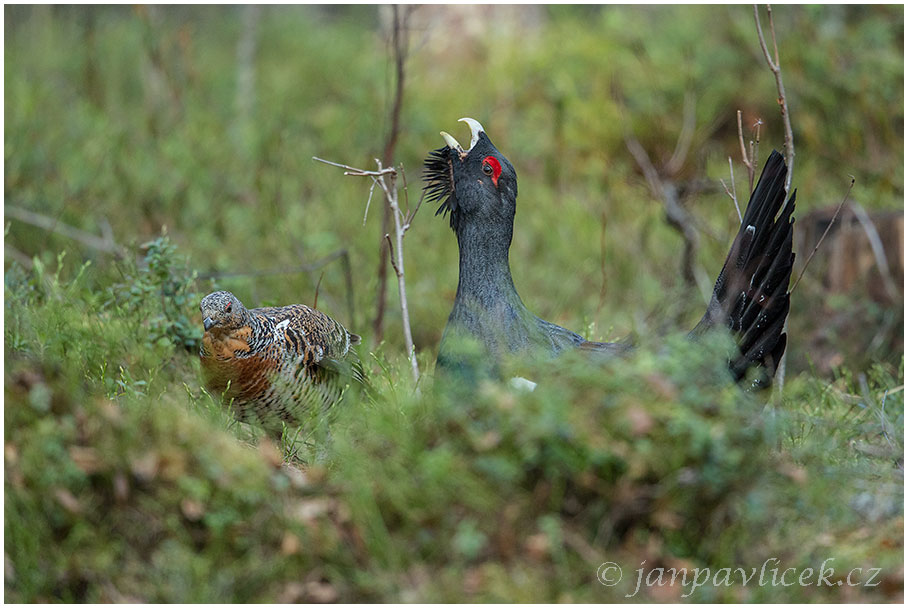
[139, 118]
[201, 122]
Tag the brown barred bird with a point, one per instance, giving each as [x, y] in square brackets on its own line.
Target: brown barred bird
[275, 364]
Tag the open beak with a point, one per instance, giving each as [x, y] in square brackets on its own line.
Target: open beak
[475, 130]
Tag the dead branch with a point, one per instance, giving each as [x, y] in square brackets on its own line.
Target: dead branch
[776, 69]
[103, 244]
[399, 43]
[688, 126]
[391, 248]
[823, 236]
[733, 192]
[386, 179]
[747, 162]
[675, 214]
[317, 286]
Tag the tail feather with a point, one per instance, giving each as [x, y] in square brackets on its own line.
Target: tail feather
[751, 295]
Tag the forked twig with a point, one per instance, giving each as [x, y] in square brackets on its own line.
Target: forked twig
[386, 179]
[776, 69]
[823, 236]
[733, 192]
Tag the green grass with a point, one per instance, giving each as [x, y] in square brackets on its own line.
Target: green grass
[126, 480]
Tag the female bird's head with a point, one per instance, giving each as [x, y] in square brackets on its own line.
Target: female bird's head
[477, 185]
[222, 310]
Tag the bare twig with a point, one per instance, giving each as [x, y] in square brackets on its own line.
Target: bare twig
[676, 215]
[747, 162]
[317, 286]
[368, 201]
[104, 245]
[732, 194]
[823, 236]
[391, 249]
[688, 126]
[386, 179]
[754, 149]
[399, 43]
[411, 216]
[776, 69]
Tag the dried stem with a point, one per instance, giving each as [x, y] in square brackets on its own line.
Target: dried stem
[317, 286]
[748, 161]
[776, 69]
[104, 244]
[399, 40]
[823, 236]
[676, 215]
[688, 127]
[386, 179]
[732, 194]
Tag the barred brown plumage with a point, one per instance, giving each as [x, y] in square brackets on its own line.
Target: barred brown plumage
[278, 363]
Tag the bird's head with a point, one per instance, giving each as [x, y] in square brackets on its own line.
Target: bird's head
[222, 310]
[476, 185]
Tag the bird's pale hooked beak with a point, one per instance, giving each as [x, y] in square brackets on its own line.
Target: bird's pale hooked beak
[475, 130]
[209, 323]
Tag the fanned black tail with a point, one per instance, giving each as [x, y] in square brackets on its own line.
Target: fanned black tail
[751, 295]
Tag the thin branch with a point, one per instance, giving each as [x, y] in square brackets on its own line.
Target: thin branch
[776, 69]
[754, 148]
[368, 201]
[104, 245]
[386, 178]
[391, 250]
[675, 214]
[411, 216]
[823, 236]
[748, 162]
[688, 126]
[399, 42]
[733, 192]
[317, 286]
[403, 176]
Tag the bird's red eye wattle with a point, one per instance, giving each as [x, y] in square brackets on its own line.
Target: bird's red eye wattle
[492, 168]
[228, 307]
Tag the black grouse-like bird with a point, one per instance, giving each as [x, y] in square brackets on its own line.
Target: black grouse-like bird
[478, 187]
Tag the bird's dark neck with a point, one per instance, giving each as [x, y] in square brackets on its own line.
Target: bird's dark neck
[485, 273]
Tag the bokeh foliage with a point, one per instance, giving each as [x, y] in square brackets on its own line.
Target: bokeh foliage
[126, 481]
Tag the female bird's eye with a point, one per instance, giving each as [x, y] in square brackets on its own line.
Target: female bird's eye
[228, 307]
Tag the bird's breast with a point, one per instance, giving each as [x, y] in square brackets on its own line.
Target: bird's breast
[226, 345]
